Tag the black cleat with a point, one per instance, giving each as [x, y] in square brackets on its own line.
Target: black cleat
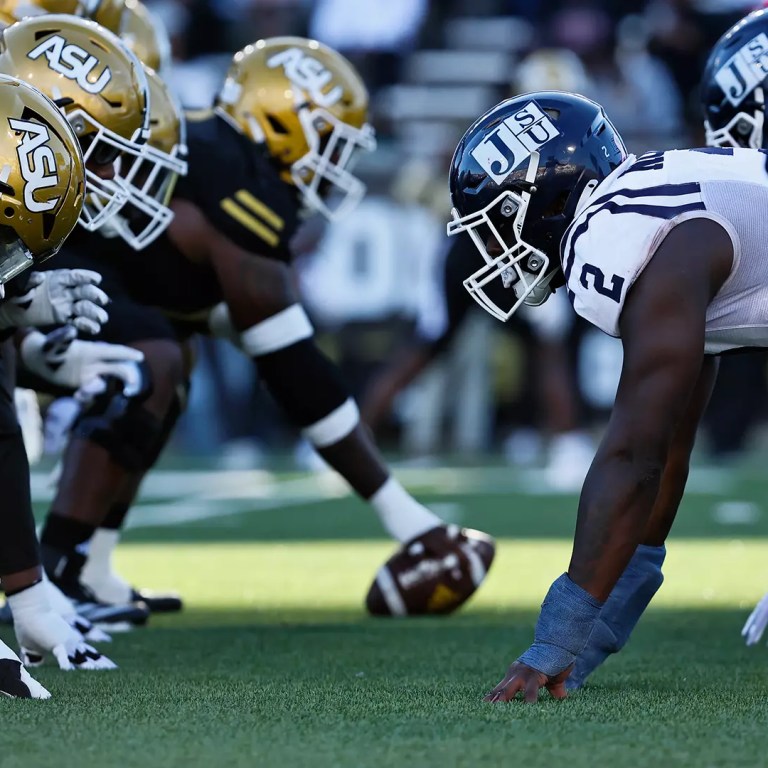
[158, 602]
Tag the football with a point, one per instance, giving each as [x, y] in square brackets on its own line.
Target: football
[432, 574]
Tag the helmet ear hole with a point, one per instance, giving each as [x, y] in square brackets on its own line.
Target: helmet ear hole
[276, 125]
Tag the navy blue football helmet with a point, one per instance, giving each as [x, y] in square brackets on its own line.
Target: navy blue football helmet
[517, 178]
[734, 85]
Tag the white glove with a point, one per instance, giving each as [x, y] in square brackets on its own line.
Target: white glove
[62, 605]
[63, 359]
[39, 630]
[57, 297]
[756, 623]
[15, 680]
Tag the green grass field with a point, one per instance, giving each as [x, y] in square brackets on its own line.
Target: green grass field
[274, 663]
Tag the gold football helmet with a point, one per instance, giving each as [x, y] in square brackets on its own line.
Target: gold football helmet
[101, 88]
[145, 36]
[42, 177]
[108, 13]
[309, 106]
[151, 178]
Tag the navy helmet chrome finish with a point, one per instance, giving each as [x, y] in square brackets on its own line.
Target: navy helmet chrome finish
[733, 87]
[516, 180]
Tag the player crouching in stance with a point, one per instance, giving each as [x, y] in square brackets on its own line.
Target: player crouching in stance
[288, 120]
[41, 196]
[663, 251]
[734, 91]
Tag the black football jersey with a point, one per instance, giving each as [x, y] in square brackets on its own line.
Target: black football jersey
[238, 188]
[233, 182]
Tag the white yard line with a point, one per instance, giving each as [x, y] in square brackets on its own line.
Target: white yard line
[172, 497]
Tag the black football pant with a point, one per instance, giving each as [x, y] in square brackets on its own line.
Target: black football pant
[18, 540]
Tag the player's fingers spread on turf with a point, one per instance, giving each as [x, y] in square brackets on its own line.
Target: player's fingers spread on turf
[556, 685]
[62, 658]
[557, 690]
[531, 690]
[507, 689]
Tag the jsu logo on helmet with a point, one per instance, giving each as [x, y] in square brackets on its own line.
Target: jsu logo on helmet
[73, 62]
[745, 70]
[509, 144]
[307, 73]
[37, 163]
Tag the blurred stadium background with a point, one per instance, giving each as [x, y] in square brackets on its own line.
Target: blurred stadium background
[530, 393]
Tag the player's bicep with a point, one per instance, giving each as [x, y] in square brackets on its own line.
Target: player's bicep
[662, 329]
[254, 287]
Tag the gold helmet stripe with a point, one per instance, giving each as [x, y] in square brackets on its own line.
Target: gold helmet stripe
[244, 197]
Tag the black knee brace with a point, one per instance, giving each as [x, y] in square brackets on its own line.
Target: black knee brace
[122, 426]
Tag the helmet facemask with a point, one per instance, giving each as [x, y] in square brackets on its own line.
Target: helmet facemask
[15, 257]
[519, 265]
[150, 179]
[323, 175]
[101, 146]
[743, 129]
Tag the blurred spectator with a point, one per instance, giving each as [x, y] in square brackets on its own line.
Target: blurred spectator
[682, 34]
[636, 89]
[375, 37]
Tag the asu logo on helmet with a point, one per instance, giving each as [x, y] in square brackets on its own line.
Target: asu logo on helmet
[309, 106]
[101, 88]
[42, 178]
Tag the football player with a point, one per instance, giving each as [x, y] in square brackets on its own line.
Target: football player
[41, 193]
[286, 125]
[108, 13]
[734, 94]
[105, 96]
[545, 188]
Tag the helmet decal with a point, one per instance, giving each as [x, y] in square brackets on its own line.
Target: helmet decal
[72, 62]
[504, 148]
[37, 163]
[745, 70]
[308, 74]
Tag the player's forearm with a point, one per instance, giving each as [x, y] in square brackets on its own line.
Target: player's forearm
[615, 506]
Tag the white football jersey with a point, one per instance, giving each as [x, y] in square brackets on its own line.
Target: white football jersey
[617, 230]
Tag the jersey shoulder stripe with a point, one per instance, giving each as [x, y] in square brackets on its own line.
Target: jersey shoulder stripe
[662, 201]
[256, 216]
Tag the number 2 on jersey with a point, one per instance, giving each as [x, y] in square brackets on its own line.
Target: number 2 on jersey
[598, 282]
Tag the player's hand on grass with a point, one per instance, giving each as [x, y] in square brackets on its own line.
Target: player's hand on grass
[62, 605]
[15, 681]
[40, 630]
[756, 623]
[521, 678]
[49, 633]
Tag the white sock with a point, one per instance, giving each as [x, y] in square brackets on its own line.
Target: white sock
[98, 573]
[402, 516]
